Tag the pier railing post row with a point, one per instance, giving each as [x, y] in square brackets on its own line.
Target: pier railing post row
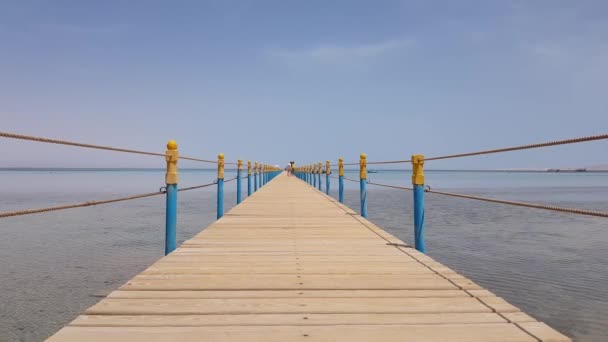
[363, 183]
[327, 173]
[255, 177]
[341, 180]
[239, 168]
[220, 185]
[418, 185]
[171, 179]
[319, 171]
[248, 178]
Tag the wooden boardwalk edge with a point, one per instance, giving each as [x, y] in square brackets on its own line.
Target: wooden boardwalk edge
[293, 264]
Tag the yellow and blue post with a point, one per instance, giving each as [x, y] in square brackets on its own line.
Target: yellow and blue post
[363, 183]
[248, 178]
[255, 177]
[327, 173]
[171, 156]
[260, 175]
[341, 180]
[239, 168]
[418, 184]
[308, 174]
[311, 174]
[220, 185]
[320, 168]
[314, 175]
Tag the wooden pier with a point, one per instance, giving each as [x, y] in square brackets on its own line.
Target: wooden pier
[292, 264]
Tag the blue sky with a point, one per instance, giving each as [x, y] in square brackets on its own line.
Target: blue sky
[304, 80]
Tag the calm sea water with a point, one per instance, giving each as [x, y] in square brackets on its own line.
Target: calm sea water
[553, 266]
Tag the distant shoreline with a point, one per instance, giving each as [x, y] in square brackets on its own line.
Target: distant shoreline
[144, 169]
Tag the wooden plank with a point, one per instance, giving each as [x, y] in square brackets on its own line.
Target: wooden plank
[112, 306]
[290, 294]
[288, 282]
[284, 319]
[480, 332]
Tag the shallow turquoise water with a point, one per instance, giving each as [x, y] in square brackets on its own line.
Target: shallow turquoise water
[551, 265]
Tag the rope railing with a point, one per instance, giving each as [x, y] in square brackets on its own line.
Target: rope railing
[498, 150]
[311, 173]
[93, 203]
[524, 147]
[523, 204]
[390, 186]
[383, 162]
[494, 200]
[98, 147]
[263, 173]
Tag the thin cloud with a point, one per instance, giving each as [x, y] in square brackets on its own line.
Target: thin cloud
[333, 53]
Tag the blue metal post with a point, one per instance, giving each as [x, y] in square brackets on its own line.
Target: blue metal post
[341, 180]
[308, 174]
[419, 218]
[249, 178]
[327, 172]
[418, 183]
[363, 183]
[171, 156]
[314, 176]
[311, 174]
[255, 177]
[260, 176]
[239, 167]
[220, 185]
[319, 176]
[171, 219]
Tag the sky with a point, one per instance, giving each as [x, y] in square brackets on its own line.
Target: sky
[308, 81]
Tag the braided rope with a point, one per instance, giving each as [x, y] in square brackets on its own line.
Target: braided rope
[390, 186]
[486, 199]
[92, 203]
[506, 149]
[99, 147]
[524, 204]
[525, 147]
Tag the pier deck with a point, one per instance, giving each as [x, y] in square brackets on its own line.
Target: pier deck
[292, 264]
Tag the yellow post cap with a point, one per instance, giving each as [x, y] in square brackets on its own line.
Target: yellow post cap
[363, 156]
[418, 169]
[172, 145]
[220, 156]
